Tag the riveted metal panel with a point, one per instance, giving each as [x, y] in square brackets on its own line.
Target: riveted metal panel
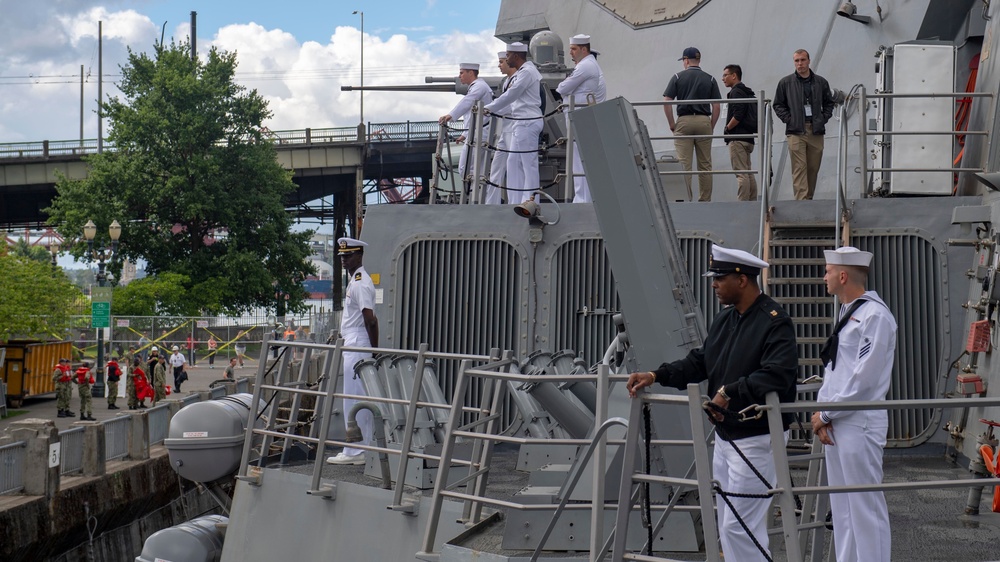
[584, 299]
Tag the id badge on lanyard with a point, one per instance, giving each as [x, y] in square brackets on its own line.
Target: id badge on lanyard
[809, 110]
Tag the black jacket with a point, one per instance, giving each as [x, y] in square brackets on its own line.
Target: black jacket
[751, 355]
[788, 104]
[745, 113]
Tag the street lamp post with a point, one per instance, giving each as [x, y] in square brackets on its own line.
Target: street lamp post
[102, 255]
[362, 14]
[54, 251]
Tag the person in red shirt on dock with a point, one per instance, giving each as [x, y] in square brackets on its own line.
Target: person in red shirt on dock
[142, 388]
[64, 390]
[84, 379]
[114, 375]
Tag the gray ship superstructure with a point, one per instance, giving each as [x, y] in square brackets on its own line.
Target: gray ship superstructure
[506, 433]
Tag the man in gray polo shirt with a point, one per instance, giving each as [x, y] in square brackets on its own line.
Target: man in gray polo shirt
[693, 118]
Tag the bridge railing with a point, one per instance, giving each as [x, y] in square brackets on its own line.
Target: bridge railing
[403, 131]
[376, 132]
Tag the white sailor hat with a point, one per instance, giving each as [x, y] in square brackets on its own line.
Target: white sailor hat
[580, 39]
[517, 47]
[346, 245]
[502, 54]
[848, 255]
[725, 261]
[468, 66]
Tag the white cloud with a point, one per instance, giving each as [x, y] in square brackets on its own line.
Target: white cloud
[302, 81]
[41, 56]
[127, 27]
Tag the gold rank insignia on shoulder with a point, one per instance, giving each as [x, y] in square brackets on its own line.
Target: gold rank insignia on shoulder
[357, 277]
[774, 313]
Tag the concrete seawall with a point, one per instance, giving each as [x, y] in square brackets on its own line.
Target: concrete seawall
[132, 501]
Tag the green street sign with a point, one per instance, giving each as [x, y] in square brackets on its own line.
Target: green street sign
[100, 315]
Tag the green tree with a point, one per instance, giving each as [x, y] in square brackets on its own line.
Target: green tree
[195, 185]
[163, 295]
[23, 249]
[35, 299]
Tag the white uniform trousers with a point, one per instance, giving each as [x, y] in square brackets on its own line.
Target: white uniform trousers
[861, 519]
[498, 169]
[354, 386]
[734, 475]
[522, 164]
[581, 189]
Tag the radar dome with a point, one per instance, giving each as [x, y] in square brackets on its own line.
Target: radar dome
[546, 49]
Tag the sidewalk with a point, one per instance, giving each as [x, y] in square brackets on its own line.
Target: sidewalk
[199, 379]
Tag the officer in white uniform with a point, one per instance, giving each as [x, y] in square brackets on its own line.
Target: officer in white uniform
[858, 357]
[586, 80]
[359, 328]
[501, 140]
[523, 101]
[479, 91]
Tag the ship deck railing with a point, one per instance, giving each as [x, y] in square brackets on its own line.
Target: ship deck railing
[800, 534]
[483, 430]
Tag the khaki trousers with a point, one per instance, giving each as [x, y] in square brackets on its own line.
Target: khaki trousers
[739, 153]
[806, 152]
[695, 125]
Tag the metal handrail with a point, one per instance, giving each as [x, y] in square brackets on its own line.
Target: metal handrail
[863, 132]
[567, 491]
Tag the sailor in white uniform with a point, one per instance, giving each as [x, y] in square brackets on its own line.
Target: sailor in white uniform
[501, 140]
[359, 328]
[585, 82]
[858, 357]
[523, 102]
[479, 91]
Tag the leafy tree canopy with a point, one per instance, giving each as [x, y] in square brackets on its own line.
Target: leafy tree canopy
[35, 299]
[163, 295]
[25, 250]
[196, 187]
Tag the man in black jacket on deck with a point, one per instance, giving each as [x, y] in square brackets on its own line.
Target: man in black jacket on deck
[749, 352]
[804, 103]
[741, 124]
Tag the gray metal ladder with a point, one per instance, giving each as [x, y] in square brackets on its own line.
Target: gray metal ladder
[795, 281]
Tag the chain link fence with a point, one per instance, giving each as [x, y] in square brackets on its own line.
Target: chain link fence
[200, 338]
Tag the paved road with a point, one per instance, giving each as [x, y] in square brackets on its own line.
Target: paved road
[200, 377]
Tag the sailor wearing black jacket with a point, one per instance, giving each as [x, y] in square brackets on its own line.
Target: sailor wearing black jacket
[741, 125]
[750, 351]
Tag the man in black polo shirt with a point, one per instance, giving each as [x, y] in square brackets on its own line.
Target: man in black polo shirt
[693, 118]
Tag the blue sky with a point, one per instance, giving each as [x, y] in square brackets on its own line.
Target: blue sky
[296, 54]
[315, 21]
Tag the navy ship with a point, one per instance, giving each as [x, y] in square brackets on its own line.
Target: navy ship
[503, 430]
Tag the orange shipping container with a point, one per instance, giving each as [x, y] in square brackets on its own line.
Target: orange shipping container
[27, 369]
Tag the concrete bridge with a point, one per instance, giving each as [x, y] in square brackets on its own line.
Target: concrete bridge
[326, 162]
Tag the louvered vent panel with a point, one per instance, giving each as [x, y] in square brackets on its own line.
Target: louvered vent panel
[584, 299]
[459, 296]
